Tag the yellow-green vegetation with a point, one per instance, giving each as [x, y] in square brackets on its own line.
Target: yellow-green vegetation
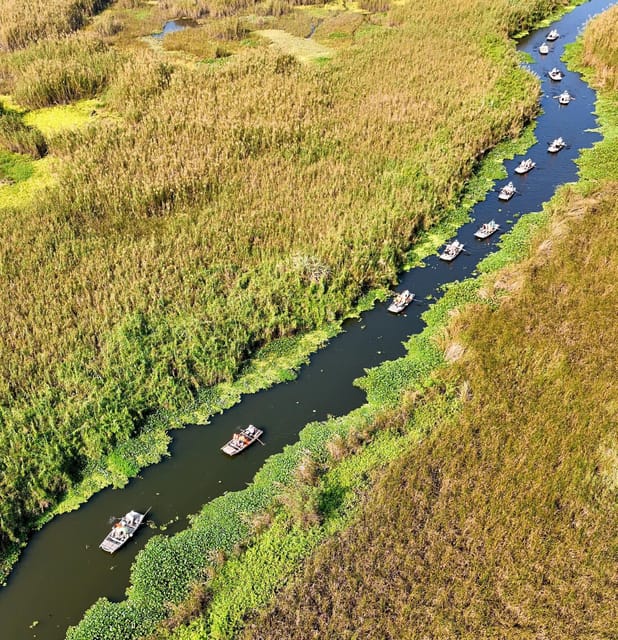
[301, 48]
[52, 120]
[224, 207]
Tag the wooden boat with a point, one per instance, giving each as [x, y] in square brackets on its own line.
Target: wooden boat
[485, 230]
[240, 441]
[451, 251]
[544, 49]
[556, 145]
[552, 35]
[401, 301]
[507, 191]
[122, 531]
[565, 97]
[556, 74]
[525, 166]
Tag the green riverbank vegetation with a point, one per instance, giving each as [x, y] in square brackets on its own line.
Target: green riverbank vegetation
[211, 208]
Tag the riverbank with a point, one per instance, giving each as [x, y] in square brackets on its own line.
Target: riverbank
[120, 353]
[509, 503]
[273, 556]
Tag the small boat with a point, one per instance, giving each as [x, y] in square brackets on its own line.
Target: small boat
[525, 166]
[556, 145]
[544, 49]
[556, 74]
[451, 251]
[485, 230]
[552, 35]
[507, 191]
[122, 531]
[565, 97]
[240, 441]
[401, 301]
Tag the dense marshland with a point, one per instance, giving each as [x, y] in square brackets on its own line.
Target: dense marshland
[499, 524]
[205, 209]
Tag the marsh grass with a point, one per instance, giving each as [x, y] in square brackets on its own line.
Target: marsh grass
[226, 207]
[24, 23]
[600, 49]
[60, 71]
[19, 137]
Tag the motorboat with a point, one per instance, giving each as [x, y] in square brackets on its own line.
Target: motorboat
[507, 191]
[565, 97]
[556, 74]
[525, 166]
[122, 531]
[240, 441]
[451, 251]
[556, 145]
[485, 230]
[544, 49]
[552, 36]
[401, 301]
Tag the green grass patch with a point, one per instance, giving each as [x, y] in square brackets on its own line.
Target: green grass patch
[15, 167]
[52, 120]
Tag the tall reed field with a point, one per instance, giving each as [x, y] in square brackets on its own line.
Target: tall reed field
[224, 206]
[58, 71]
[600, 49]
[28, 21]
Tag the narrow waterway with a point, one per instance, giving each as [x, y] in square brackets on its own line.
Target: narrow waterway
[62, 571]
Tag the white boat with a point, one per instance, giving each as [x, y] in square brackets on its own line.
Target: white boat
[451, 251]
[240, 441]
[552, 35]
[556, 74]
[544, 49]
[525, 166]
[401, 301]
[565, 97]
[507, 191]
[485, 230]
[556, 145]
[122, 531]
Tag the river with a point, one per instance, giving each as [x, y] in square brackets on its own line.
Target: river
[62, 572]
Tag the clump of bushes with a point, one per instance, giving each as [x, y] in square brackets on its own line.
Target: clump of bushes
[375, 6]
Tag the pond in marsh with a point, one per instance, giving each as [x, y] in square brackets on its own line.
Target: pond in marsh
[173, 26]
[62, 571]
